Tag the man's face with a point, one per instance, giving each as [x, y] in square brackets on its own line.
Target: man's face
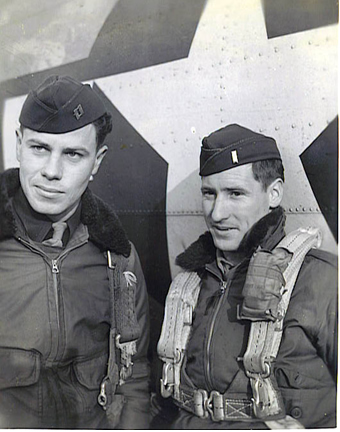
[233, 201]
[55, 168]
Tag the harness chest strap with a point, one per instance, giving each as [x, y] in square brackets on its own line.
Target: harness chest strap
[124, 330]
[182, 297]
[265, 335]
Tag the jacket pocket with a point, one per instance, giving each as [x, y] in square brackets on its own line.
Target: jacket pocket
[84, 388]
[306, 398]
[288, 378]
[90, 372]
[314, 408]
[19, 368]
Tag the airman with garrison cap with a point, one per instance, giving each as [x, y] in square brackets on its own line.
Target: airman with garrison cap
[68, 357]
[249, 333]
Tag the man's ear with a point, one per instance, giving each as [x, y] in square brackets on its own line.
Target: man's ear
[275, 191]
[101, 152]
[18, 134]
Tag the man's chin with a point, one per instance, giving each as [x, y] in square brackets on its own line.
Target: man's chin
[226, 245]
[50, 211]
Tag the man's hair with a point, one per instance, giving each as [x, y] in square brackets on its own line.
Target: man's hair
[266, 171]
[103, 127]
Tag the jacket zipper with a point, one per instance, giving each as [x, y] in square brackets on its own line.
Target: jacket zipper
[54, 265]
[223, 289]
[55, 272]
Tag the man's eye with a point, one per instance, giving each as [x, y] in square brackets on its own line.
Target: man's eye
[208, 193]
[235, 193]
[39, 149]
[74, 155]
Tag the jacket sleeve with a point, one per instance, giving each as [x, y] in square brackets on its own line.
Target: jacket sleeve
[319, 275]
[136, 410]
[326, 335]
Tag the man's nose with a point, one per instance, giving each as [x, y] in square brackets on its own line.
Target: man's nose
[220, 209]
[52, 169]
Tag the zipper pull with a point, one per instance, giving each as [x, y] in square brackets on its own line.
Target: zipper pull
[55, 268]
[223, 287]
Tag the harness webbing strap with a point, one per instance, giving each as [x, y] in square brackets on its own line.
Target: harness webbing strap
[124, 329]
[265, 336]
[218, 406]
[126, 319]
[180, 303]
[110, 382]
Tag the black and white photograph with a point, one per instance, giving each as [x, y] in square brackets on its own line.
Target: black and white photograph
[168, 214]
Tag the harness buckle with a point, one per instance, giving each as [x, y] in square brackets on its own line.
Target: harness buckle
[215, 406]
[167, 380]
[263, 401]
[201, 403]
[263, 375]
[127, 350]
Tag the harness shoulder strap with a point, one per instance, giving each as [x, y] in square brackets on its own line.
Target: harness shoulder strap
[180, 303]
[124, 329]
[266, 333]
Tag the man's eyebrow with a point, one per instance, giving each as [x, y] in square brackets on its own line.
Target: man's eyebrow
[37, 141]
[76, 149]
[227, 188]
[64, 150]
[235, 188]
[207, 188]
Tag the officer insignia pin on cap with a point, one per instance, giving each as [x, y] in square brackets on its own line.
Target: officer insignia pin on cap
[232, 146]
[78, 112]
[234, 156]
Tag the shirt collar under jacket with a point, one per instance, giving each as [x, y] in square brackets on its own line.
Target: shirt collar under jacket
[37, 225]
[222, 263]
[266, 233]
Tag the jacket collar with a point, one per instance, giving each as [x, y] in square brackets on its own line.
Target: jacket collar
[267, 233]
[104, 227]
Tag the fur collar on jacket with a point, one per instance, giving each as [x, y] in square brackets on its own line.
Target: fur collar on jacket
[267, 233]
[105, 229]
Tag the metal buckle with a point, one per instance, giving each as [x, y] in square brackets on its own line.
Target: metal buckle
[262, 403]
[178, 356]
[110, 263]
[167, 380]
[263, 375]
[102, 397]
[267, 372]
[128, 349]
[187, 315]
[261, 400]
[215, 406]
[201, 403]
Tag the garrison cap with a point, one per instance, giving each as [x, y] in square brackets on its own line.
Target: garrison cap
[61, 104]
[232, 146]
